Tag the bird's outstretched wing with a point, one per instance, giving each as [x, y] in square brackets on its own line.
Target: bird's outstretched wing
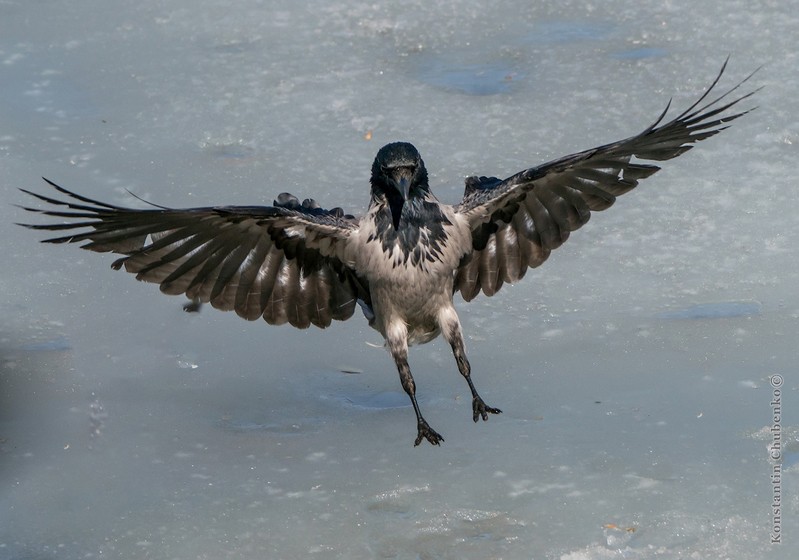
[517, 221]
[284, 263]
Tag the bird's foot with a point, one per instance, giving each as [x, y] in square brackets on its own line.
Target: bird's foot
[481, 410]
[193, 306]
[428, 433]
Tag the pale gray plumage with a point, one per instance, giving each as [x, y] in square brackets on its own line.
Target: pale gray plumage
[403, 261]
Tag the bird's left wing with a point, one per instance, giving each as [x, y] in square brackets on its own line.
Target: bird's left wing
[518, 221]
[285, 263]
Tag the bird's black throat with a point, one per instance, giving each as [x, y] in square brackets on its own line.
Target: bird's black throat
[395, 205]
[415, 226]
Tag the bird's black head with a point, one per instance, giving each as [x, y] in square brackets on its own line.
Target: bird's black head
[399, 170]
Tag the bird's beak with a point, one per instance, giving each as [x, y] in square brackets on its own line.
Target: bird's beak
[402, 182]
[403, 185]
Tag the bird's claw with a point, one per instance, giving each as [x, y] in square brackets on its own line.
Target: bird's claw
[481, 410]
[428, 433]
[193, 306]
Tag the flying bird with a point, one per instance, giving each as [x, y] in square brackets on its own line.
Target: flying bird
[402, 261]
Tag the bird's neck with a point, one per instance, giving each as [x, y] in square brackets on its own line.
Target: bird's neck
[401, 211]
[419, 219]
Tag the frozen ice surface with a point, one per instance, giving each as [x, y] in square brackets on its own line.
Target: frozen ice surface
[720, 310]
[633, 368]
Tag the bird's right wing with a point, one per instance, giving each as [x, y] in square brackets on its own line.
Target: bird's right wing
[285, 263]
[518, 221]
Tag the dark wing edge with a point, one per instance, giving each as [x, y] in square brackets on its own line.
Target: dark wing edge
[518, 221]
[285, 263]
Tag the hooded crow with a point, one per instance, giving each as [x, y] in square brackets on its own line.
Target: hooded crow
[403, 261]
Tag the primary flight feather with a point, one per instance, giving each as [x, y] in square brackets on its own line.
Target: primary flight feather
[403, 261]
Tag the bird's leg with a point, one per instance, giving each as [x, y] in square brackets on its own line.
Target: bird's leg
[451, 329]
[424, 431]
[398, 346]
